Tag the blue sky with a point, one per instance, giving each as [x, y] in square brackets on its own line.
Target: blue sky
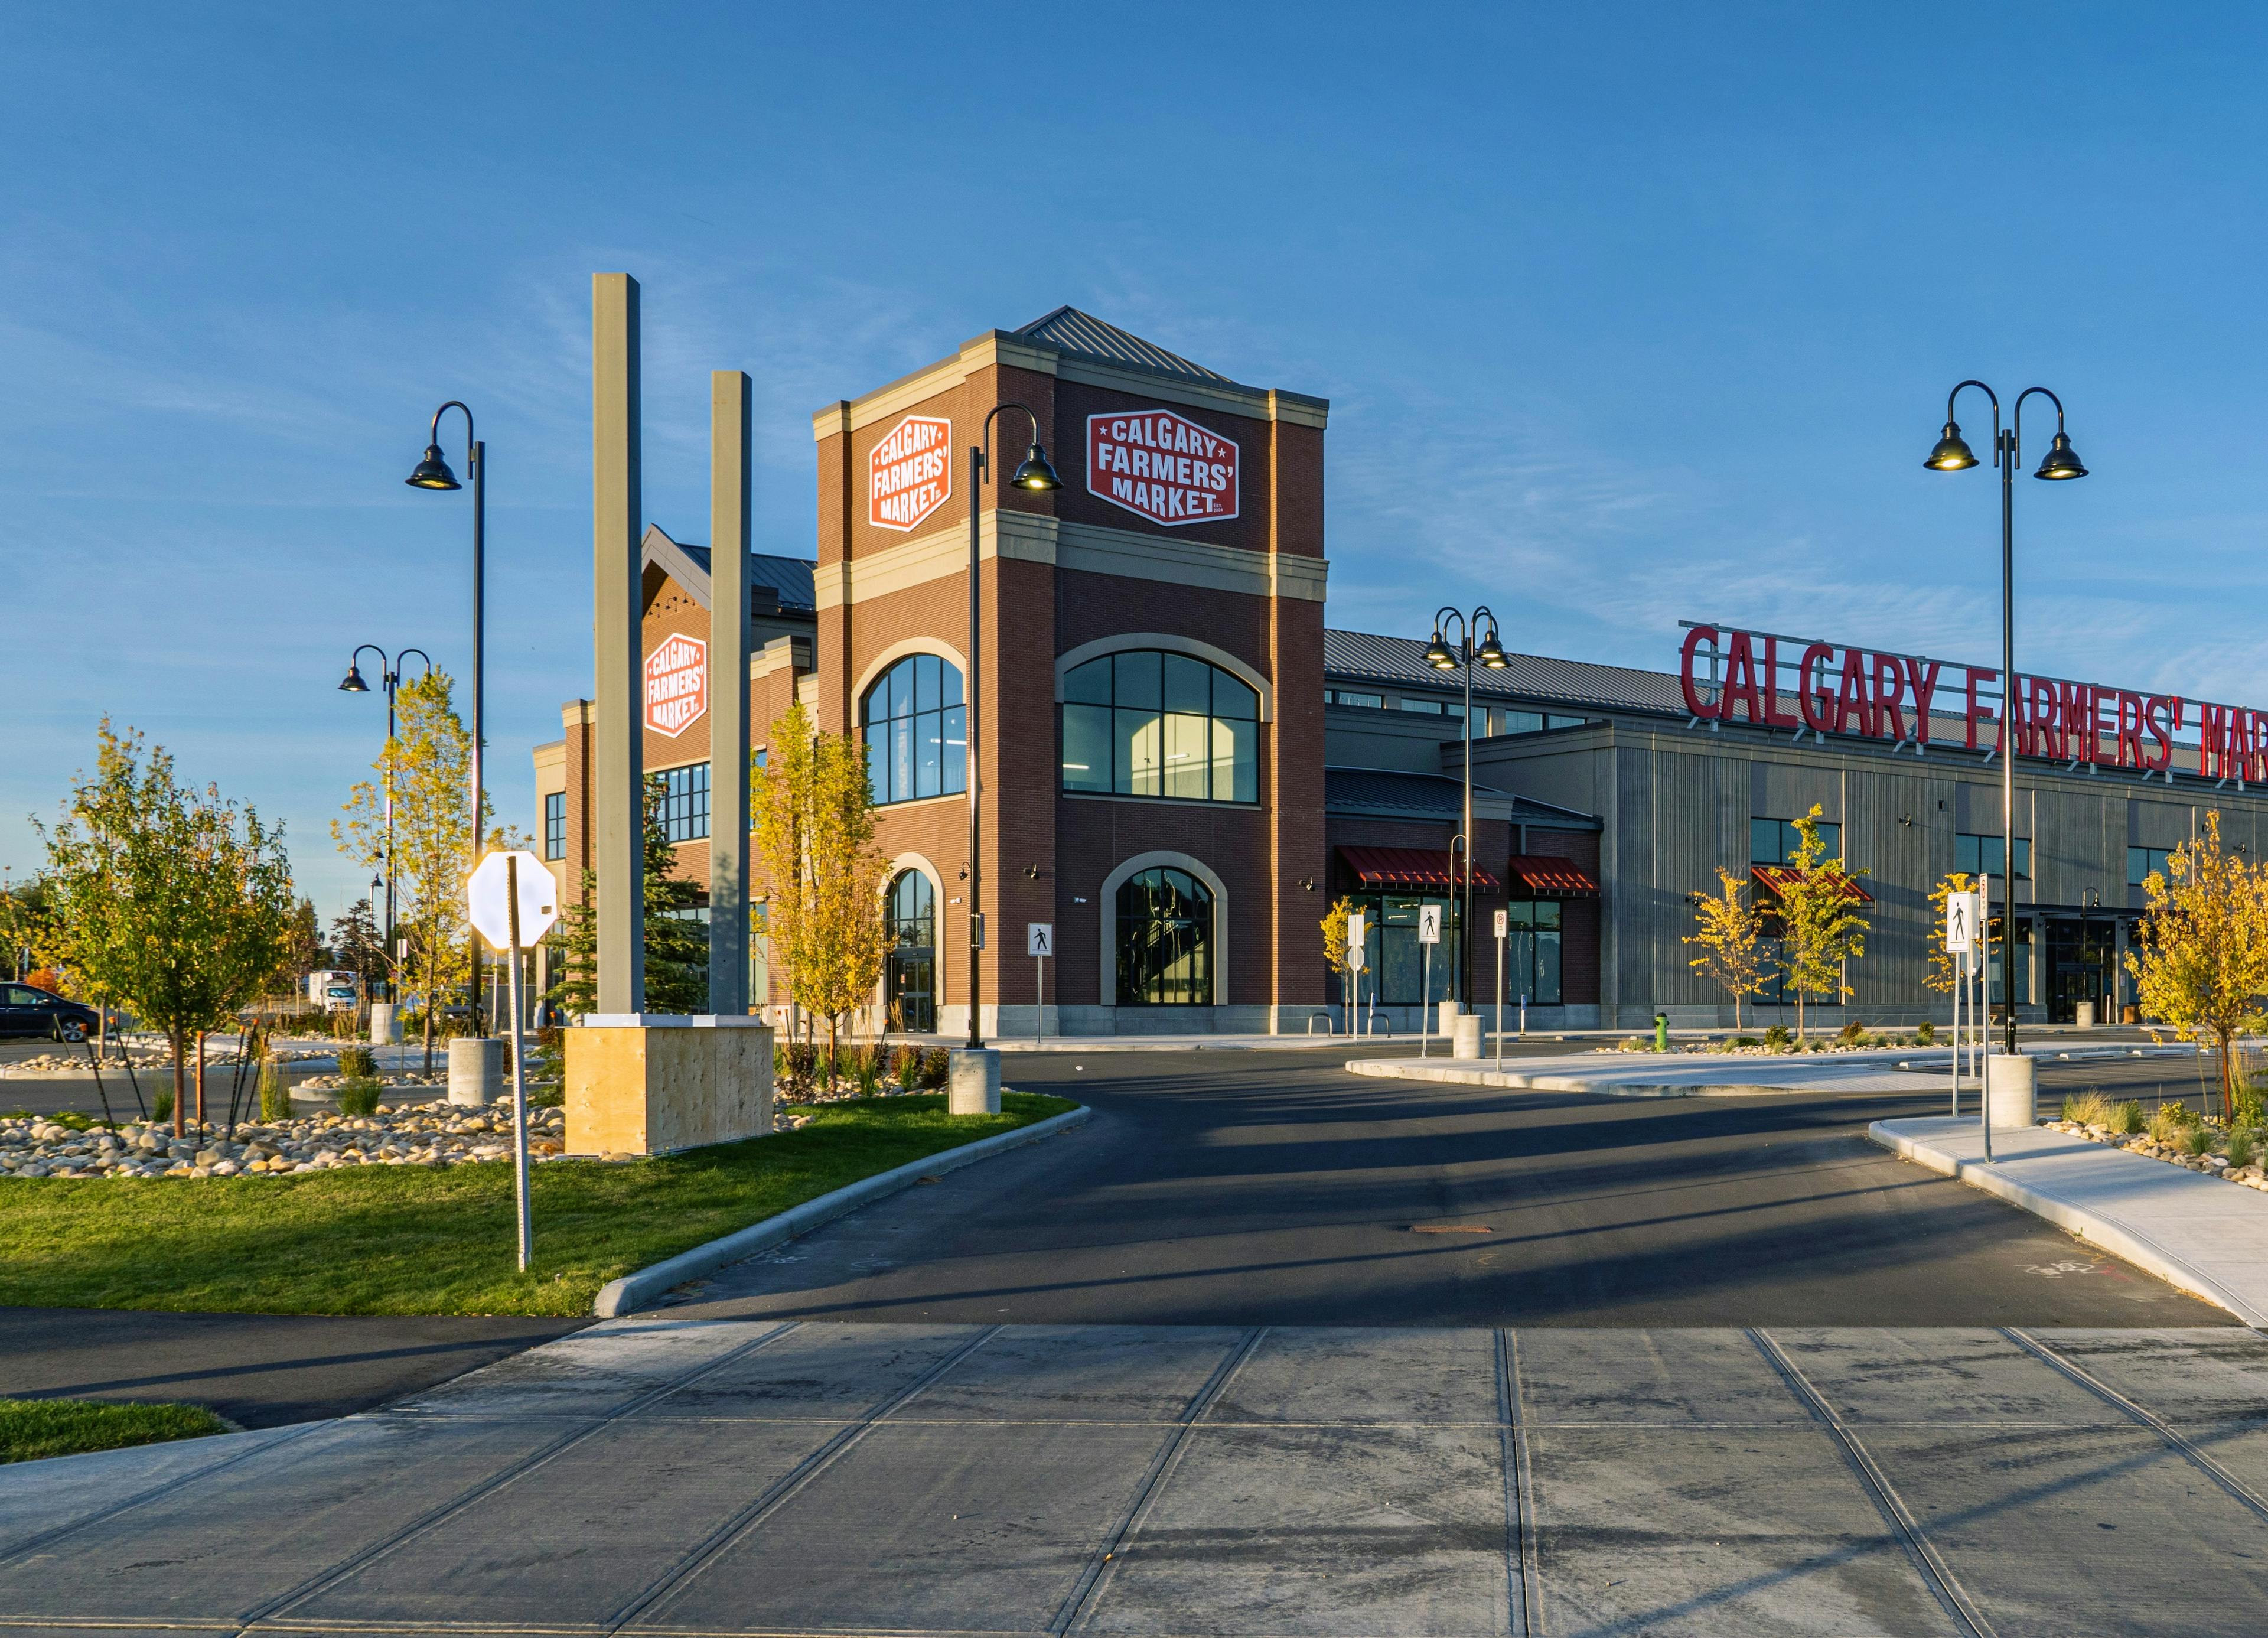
[1628, 314]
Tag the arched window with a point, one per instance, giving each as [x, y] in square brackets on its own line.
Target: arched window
[1165, 940]
[1145, 723]
[911, 909]
[916, 731]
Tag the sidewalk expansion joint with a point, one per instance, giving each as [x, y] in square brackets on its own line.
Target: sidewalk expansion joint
[1103, 1564]
[1928, 1561]
[1524, 1567]
[327, 1578]
[2165, 1430]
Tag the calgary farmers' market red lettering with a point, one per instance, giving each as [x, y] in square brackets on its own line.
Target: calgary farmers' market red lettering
[1161, 465]
[910, 472]
[1728, 676]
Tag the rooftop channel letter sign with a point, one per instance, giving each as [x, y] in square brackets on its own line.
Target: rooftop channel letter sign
[1161, 466]
[910, 472]
[676, 683]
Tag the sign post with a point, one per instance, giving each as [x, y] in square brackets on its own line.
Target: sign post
[1959, 939]
[511, 897]
[1429, 935]
[1503, 932]
[1984, 1016]
[1357, 930]
[1040, 940]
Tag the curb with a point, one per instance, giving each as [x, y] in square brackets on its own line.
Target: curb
[634, 1291]
[1418, 1069]
[2134, 1247]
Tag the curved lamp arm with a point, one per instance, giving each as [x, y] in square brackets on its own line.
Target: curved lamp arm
[434, 435]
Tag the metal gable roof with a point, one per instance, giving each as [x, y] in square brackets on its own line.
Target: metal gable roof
[792, 578]
[1365, 656]
[1069, 330]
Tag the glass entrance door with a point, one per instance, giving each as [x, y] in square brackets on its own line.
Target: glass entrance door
[2078, 966]
[911, 980]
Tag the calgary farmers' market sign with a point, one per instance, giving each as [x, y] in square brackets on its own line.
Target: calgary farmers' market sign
[1777, 681]
[910, 472]
[676, 683]
[1163, 466]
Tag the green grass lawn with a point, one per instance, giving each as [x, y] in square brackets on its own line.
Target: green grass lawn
[404, 1240]
[33, 1428]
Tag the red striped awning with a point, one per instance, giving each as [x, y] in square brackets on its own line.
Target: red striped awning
[1410, 867]
[1778, 877]
[1547, 876]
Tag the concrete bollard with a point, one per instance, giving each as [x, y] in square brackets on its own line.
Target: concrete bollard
[1465, 1036]
[2083, 1016]
[475, 1071]
[1446, 1028]
[975, 1086]
[385, 1028]
[2008, 1077]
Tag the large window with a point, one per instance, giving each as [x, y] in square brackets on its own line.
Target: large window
[1165, 940]
[685, 802]
[2142, 863]
[1398, 973]
[1532, 952]
[1147, 723]
[554, 824]
[1774, 841]
[1976, 855]
[916, 731]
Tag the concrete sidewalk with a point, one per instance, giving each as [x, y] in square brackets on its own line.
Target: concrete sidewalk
[1674, 1074]
[689, 1477]
[2197, 1233]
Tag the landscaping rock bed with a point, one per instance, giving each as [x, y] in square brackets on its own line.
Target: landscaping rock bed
[406, 1135]
[73, 1060]
[2174, 1152]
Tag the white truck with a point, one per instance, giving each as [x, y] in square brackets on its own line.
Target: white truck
[333, 989]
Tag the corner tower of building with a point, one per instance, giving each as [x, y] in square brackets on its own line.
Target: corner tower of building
[1151, 741]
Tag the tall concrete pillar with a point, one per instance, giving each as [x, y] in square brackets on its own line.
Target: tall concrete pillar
[616, 506]
[728, 692]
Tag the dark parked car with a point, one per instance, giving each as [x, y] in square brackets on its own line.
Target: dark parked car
[27, 1011]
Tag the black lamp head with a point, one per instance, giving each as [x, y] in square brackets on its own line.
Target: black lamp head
[1035, 473]
[354, 684]
[1491, 653]
[2061, 462]
[1438, 654]
[1952, 454]
[432, 472]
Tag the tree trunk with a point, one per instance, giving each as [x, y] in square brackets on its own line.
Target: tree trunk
[181, 1076]
[2225, 1038]
[200, 1082]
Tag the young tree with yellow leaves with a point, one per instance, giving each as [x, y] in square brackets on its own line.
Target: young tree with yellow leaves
[2201, 961]
[1334, 952]
[430, 760]
[1731, 939]
[814, 814]
[1820, 927]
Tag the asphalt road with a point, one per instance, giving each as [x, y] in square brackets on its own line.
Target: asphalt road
[1274, 1188]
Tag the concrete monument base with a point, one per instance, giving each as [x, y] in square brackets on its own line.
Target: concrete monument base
[475, 1071]
[2009, 1082]
[652, 1083]
[975, 1088]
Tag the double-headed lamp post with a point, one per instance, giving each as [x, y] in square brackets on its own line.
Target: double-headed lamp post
[1441, 657]
[1034, 474]
[390, 678]
[433, 472]
[1953, 454]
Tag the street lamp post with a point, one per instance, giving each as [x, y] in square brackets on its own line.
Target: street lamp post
[1953, 454]
[1441, 657]
[433, 472]
[1038, 477]
[389, 674]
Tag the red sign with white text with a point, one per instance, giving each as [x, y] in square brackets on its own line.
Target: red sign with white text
[676, 683]
[1163, 466]
[1777, 682]
[910, 472]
